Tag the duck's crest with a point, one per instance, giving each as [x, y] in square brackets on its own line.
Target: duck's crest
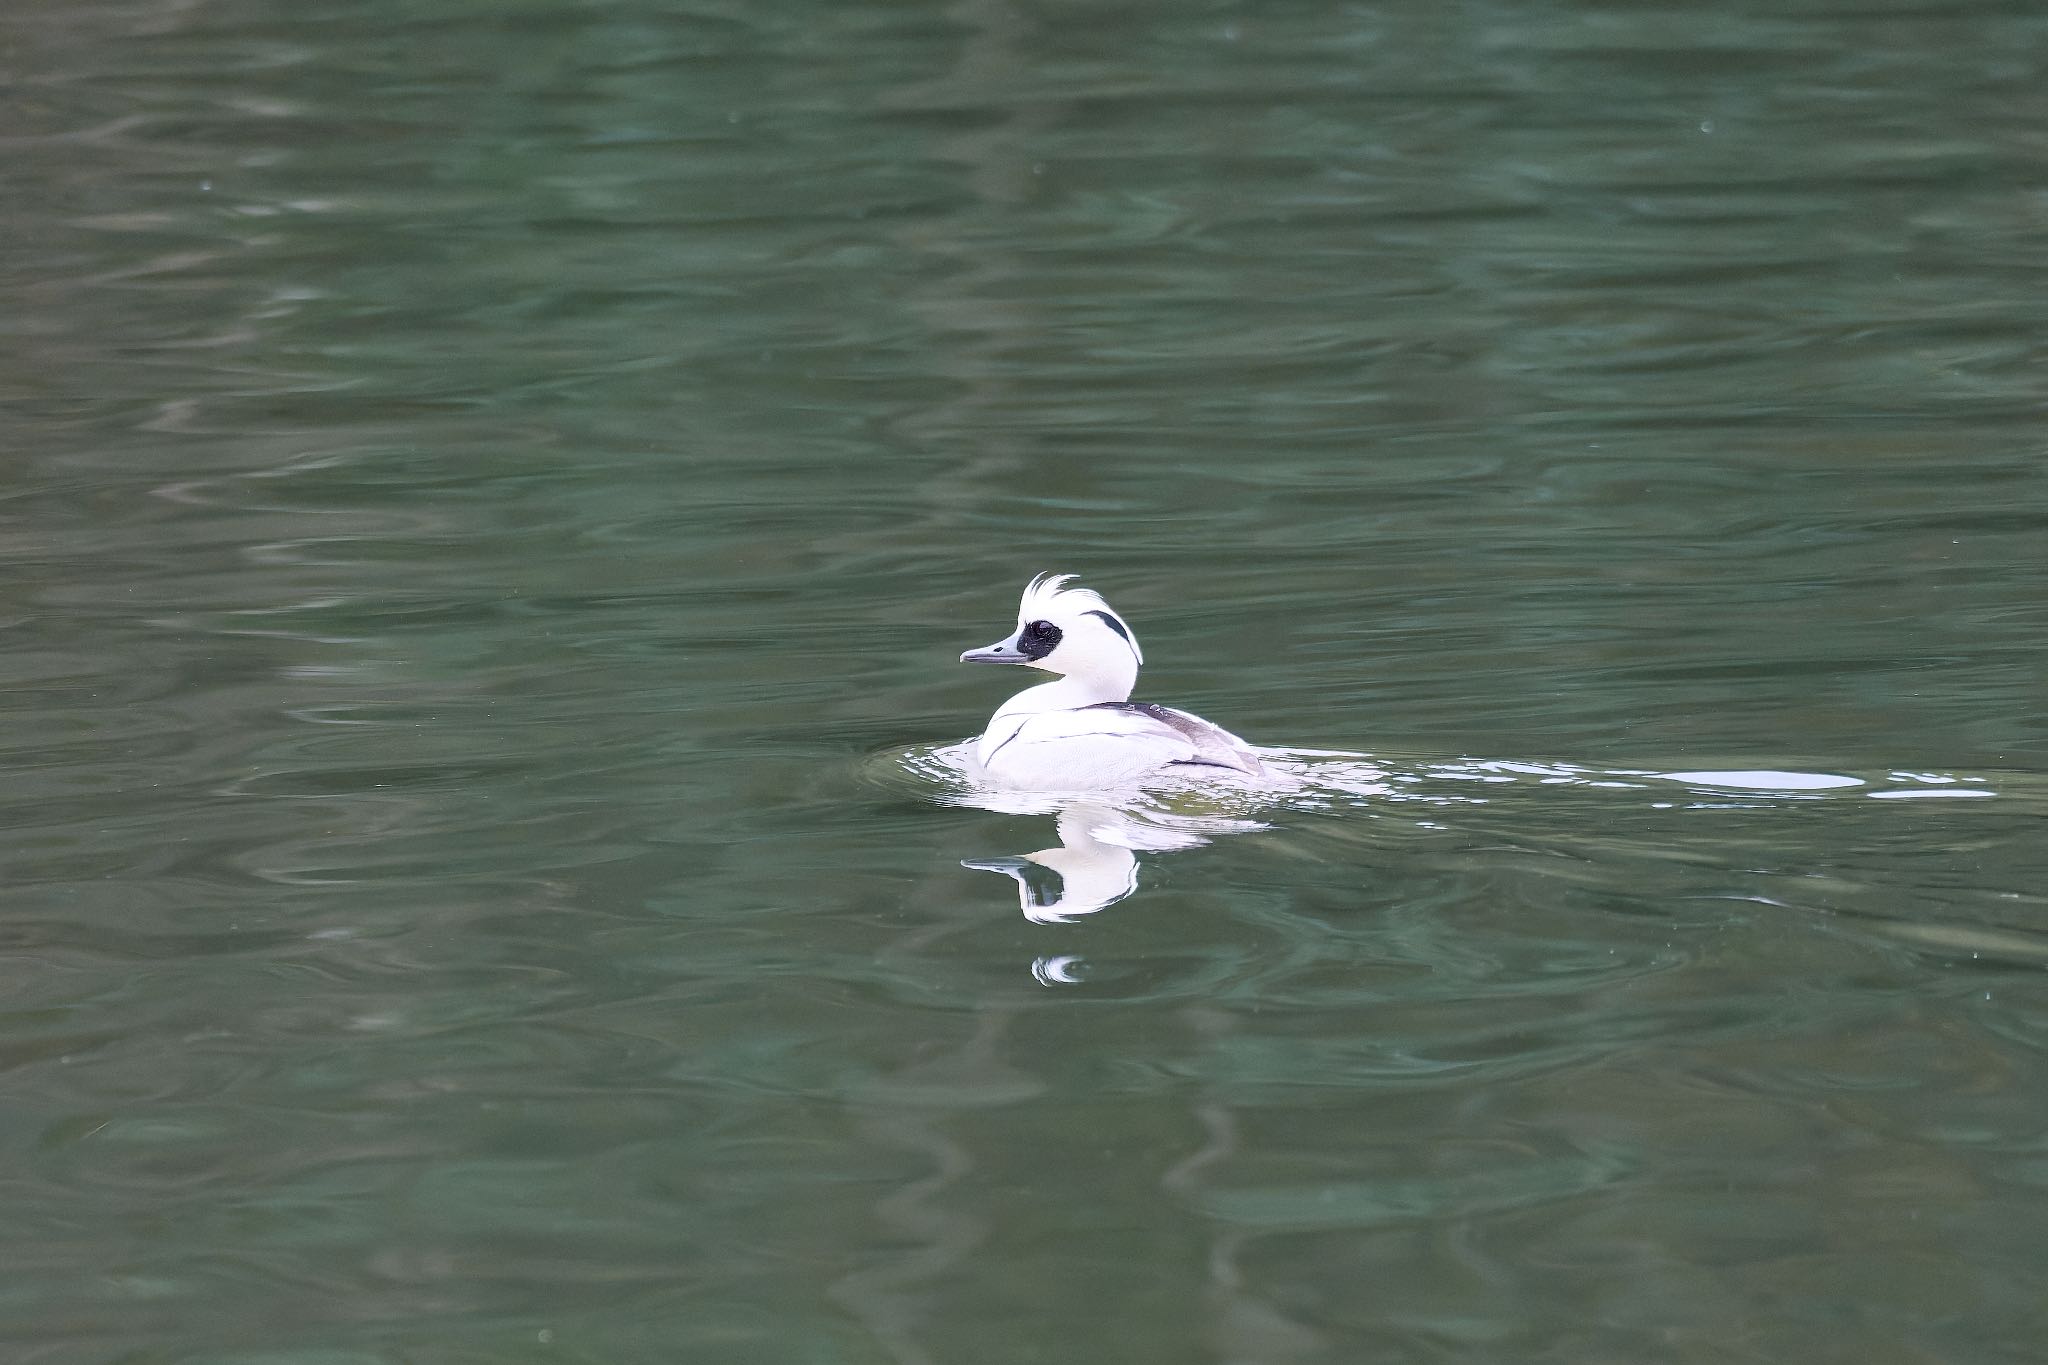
[1048, 593]
[1041, 592]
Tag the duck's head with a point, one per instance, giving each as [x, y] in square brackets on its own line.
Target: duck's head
[1070, 631]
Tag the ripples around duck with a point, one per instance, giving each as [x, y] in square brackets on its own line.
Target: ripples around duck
[1096, 863]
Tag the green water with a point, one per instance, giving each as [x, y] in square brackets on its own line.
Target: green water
[494, 496]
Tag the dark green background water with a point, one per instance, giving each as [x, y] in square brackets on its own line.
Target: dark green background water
[491, 489]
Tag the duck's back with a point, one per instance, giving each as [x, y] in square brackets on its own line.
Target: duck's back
[1108, 744]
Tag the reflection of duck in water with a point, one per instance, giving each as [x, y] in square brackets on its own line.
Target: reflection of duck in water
[1095, 863]
[1082, 732]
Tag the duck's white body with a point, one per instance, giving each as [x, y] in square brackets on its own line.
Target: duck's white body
[1082, 732]
[1102, 744]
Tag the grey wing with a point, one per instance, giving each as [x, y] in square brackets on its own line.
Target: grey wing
[1113, 720]
[1208, 744]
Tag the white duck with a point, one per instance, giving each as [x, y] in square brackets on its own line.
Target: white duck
[1081, 732]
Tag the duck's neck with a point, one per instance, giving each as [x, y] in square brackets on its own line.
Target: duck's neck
[1073, 691]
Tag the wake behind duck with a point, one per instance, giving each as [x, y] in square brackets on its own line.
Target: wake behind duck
[1124, 778]
[1082, 732]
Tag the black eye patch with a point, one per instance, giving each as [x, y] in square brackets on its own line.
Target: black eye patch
[1038, 639]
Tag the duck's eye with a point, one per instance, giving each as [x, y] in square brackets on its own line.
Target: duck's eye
[1038, 639]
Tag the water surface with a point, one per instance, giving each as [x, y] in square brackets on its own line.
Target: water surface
[495, 497]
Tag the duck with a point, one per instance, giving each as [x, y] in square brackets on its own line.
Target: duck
[1082, 731]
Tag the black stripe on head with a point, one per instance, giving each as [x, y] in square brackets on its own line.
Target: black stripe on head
[1109, 619]
[1038, 639]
